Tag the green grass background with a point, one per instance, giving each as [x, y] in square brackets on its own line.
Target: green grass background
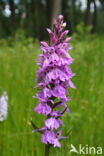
[85, 124]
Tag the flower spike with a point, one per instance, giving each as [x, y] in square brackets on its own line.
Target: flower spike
[53, 78]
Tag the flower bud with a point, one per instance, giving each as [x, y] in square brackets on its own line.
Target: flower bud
[64, 25]
[54, 21]
[60, 18]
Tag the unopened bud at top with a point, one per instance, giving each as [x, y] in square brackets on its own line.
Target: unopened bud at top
[64, 25]
[60, 18]
[54, 21]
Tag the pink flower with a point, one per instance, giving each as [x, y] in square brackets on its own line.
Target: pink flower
[54, 76]
[3, 106]
[43, 108]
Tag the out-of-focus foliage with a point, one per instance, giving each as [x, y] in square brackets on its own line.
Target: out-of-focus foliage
[33, 16]
[82, 32]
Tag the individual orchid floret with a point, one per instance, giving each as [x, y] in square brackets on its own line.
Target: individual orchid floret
[3, 106]
[54, 121]
[43, 108]
[54, 77]
[52, 35]
[58, 137]
[48, 136]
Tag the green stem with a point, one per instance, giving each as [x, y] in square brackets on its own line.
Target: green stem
[47, 148]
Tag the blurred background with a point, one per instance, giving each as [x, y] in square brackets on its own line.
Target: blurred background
[22, 25]
[33, 16]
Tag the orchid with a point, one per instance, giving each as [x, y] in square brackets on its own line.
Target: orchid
[3, 106]
[53, 78]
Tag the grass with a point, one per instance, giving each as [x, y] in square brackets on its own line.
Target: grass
[85, 124]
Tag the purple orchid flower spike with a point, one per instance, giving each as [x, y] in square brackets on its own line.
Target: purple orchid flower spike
[53, 78]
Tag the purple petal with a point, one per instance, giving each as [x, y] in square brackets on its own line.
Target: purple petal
[59, 133]
[60, 122]
[43, 108]
[68, 39]
[52, 35]
[44, 138]
[63, 34]
[52, 123]
[42, 129]
[71, 84]
[60, 138]
[44, 44]
[57, 143]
